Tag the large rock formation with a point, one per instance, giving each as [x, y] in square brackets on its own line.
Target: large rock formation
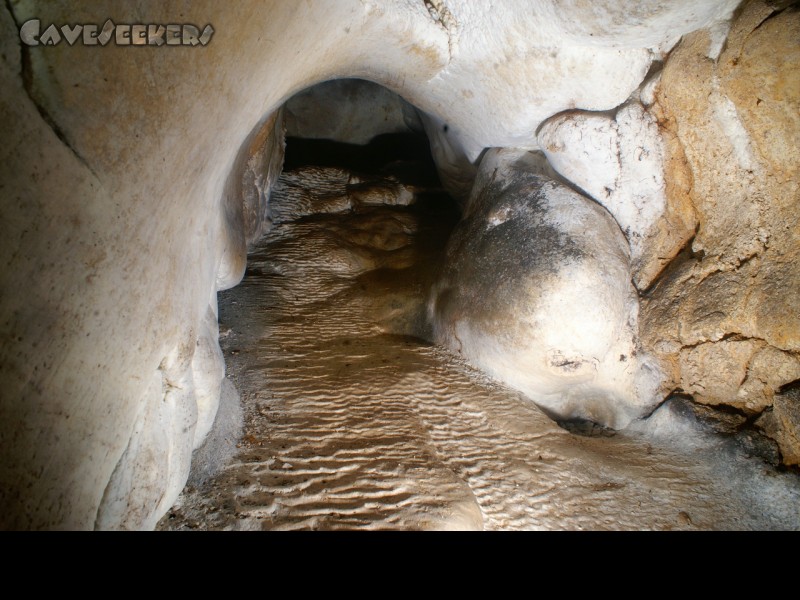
[536, 290]
[133, 179]
[725, 316]
[619, 160]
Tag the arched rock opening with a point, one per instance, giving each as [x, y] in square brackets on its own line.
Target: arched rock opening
[122, 217]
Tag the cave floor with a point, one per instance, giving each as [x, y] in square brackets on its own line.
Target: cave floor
[353, 422]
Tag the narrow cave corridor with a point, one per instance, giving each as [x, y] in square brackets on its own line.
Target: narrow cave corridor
[352, 419]
[400, 264]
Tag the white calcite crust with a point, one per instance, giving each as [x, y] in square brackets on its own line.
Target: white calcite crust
[536, 290]
[619, 161]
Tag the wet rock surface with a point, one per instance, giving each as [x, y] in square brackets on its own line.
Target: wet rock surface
[352, 420]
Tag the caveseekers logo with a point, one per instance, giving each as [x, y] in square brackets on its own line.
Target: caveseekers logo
[31, 34]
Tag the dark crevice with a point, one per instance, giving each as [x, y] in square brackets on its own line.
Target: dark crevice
[684, 255]
[407, 156]
[735, 427]
[677, 393]
[731, 335]
[655, 67]
[586, 428]
[736, 336]
[722, 409]
[792, 386]
[750, 419]
[778, 7]
[731, 410]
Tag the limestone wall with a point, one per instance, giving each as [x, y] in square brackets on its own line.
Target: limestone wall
[133, 179]
[725, 316]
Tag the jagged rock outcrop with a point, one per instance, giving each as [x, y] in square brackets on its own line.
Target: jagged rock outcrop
[782, 423]
[725, 316]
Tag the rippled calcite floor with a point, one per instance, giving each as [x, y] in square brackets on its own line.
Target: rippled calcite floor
[353, 423]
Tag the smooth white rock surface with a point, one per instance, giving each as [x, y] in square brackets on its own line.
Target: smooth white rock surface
[536, 290]
[618, 160]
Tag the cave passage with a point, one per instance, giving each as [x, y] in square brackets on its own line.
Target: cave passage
[619, 250]
[353, 420]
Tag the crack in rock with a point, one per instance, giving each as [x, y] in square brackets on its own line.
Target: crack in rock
[26, 74]
[442, 16]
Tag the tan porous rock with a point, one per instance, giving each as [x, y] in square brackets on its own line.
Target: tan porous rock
[782, 423]
[724, 316]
